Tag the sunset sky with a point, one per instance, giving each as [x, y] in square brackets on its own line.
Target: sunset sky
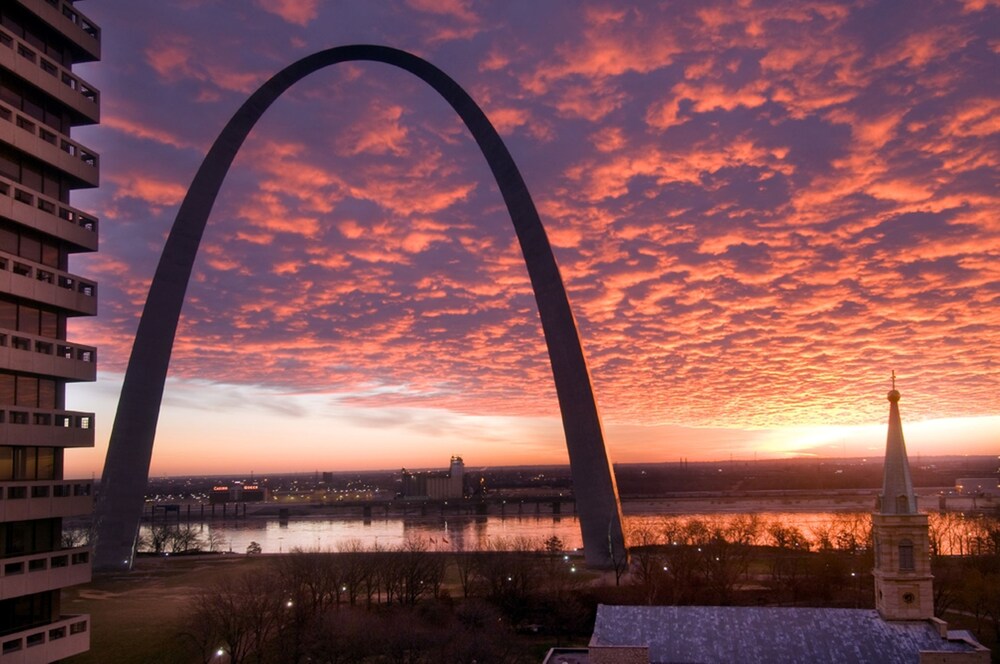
[760, 210]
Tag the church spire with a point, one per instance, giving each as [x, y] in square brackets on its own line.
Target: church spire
[903, 581]
[897, 495]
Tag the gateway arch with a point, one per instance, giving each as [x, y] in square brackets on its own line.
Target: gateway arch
[126, 469]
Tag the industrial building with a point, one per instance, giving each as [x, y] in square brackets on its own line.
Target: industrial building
[436, 486]
[41, 100]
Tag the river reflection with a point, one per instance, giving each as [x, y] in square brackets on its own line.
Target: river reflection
[462, 533]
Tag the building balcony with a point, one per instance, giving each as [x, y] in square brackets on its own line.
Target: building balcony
[80, 30]
[45, 499]
[41, 572]
[64, 638]
[53, 147]
[21, 58]
[47, 215]
[47, 356]
[46, 285]
[46, 428]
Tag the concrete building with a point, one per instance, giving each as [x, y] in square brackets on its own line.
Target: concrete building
[41, 99]
[436, 486]
[902, 629]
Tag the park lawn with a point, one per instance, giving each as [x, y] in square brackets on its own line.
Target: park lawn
[137, 618]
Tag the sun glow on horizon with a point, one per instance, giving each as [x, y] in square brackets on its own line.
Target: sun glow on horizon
[228, 429]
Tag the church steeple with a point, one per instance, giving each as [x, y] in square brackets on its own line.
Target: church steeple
[903, 581]
[897, 495]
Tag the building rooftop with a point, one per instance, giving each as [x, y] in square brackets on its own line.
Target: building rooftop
[771, 634]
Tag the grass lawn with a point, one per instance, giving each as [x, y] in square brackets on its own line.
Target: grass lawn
[136, 618]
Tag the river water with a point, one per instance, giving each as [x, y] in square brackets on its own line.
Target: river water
[452, 533]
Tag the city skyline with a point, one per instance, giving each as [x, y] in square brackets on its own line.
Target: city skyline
[758, 213]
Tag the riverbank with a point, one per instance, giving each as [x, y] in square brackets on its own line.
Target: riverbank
[931, 499]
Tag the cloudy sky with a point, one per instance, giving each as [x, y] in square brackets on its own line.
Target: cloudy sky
[760, 210]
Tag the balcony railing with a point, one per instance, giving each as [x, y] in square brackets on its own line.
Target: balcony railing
[23, 501]
[52, 146]
[54, 218]
[41, 572]
[41, 283]
[76, 18]
[49, 135]
[46, 427]
[47, 356]
[85, 92]
[71, 22]
[47, 643]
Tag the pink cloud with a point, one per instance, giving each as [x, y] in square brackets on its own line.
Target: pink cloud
[609, 47]
[154, 191]
[379, 132]
[298, 12]
[174, 58]
[143, 130]
[458, 9]
[507, 119]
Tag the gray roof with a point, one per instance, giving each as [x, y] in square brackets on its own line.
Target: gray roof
[703, 634]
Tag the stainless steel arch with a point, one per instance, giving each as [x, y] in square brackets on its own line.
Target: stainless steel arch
[126, 468]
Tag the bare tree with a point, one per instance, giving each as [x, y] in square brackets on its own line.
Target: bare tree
[159, 536]
[648, 562]
[215, 540]
[788, 565]
[239, 614]
[183, 539]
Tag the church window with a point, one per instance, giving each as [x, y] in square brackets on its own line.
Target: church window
[902, 505]
[906, 555]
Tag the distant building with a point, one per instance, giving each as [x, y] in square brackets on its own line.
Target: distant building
[978, 486]
[436, 486]
[902, 629]
[237, 492]
[41, 101]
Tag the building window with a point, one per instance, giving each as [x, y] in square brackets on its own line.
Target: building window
[906, 555]
[29, 463]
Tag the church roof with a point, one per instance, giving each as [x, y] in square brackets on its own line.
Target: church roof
[705, 634]
[897, 495]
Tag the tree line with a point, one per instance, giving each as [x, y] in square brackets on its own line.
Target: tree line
[382, 604]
